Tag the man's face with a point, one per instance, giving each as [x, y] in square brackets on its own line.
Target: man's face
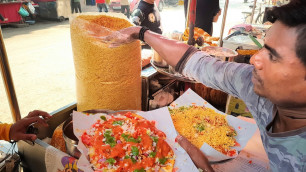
[279, 74]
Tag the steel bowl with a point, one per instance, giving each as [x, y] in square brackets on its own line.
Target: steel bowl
[222, 53]
[158, 60]
[71, 141]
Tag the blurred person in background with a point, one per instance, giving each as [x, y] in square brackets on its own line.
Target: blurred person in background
[101, 4]
[17, 131]
[125, 6]
[207, 12]
[76, 6]
[147, 14]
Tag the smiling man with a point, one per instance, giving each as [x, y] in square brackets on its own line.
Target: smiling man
[273, 87]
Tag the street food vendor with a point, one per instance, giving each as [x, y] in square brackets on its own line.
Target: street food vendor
[273, 87]
[17, 131]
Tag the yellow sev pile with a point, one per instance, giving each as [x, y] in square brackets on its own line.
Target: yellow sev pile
[203, 125]
[106, 78]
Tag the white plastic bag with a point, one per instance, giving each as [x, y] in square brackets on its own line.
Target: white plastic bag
[31, 8]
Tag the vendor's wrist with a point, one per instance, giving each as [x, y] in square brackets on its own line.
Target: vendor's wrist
[135, 34]
[142, 31]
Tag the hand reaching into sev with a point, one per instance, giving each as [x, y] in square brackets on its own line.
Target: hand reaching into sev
[114, 38]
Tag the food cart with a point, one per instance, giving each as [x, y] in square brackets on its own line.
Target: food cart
[34, 155]
[10, 10]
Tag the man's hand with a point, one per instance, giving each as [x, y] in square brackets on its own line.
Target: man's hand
[120, 37]
[195, 154]
[170, 50]
[18, 130]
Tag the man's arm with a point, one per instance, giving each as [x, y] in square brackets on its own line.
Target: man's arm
[5, 131]
[170, 50]
[232, 78]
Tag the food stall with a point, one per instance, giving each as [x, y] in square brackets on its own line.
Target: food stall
[10, 10]
[41, 156]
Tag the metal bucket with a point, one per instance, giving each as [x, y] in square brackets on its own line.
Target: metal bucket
[71, 141]
[222, 53]
[158, 60]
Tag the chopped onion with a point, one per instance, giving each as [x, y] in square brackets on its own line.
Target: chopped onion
[102, 160]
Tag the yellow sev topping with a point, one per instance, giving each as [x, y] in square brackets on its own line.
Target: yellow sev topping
[203, 125]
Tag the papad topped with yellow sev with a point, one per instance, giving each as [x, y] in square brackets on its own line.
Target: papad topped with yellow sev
[204, 125]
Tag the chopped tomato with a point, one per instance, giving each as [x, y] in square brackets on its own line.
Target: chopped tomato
[160, 134]
[125, 165]
[142, 124]
[175, 169]
[86, 139]
[148, 162]
[117, 132]
[117, 151]
[237, 144]
[147, 142]
[163, 148]
[129, 115]
[232, 152]
[104, 150]
[98, 140]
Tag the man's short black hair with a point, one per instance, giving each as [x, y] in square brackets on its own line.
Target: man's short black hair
[293, 14]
